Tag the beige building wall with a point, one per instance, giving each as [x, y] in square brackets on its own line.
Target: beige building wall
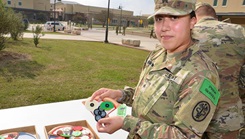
[81, 9]
[77, 8]
[124, 13]
[66, 8]
[42, 5]
[25, 4]
[86, 9]
[231, 6]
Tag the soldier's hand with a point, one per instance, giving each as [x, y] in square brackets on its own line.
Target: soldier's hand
[102, 93]
[110, 124]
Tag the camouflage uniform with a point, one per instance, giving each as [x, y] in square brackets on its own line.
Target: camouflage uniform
[224, 43]
[170, 100]
[242, 85]
[241, 81]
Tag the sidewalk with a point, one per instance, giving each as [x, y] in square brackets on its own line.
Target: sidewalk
[147, 43]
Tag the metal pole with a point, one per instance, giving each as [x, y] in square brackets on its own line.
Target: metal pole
[88, 19]
[54, 14]
[106, 32]
[120, 24]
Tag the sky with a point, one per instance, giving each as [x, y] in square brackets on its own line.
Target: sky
[139, 7]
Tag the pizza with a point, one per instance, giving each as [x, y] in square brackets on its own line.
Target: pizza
[70, 132]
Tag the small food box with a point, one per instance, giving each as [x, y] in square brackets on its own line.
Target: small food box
[70, 130]
[28, 132]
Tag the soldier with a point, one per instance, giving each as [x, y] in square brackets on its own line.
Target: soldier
[117, 30]
[151, 34]
[124, 30]
[224, 43]
[177, 93]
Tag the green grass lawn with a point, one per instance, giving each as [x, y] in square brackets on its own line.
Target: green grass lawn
[61, 70]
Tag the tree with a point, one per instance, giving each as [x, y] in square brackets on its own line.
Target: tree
[17, 29]
[102, 17]
[42, 17]
[79, 18]
[151, 21]
[11, 22]
[5, 18]
[6, 15]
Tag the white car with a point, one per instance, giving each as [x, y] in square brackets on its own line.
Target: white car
[50, 25]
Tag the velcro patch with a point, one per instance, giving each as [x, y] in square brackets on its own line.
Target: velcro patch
[209, 90]
[200, 111]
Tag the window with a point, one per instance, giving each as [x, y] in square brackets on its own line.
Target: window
[215, 3]
[114, 21]
[243, 2]
[224, 3]
[20, 3]
[9, 2]
[57, 24]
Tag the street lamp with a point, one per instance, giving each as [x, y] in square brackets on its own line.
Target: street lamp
[120, 7]
[54, 14]
[106, 32]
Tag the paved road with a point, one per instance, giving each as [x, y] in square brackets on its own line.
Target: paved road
[147, 43]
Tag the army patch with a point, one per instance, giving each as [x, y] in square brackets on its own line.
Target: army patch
[201, 111]
[209, 90]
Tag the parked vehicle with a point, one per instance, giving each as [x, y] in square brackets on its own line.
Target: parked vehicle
[49, 25]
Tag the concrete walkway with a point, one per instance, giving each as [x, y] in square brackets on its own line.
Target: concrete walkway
[147, 43]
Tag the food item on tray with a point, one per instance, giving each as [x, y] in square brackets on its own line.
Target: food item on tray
[12, 135]
[101, 109]
[17, 135]
[70, 132]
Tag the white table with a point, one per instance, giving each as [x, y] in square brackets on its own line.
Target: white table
[53, 113]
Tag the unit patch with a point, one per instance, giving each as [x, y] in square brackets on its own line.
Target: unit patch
[201, 111]
[210, 91]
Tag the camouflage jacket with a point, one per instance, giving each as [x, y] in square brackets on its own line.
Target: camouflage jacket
[176, 96]
[224, 43]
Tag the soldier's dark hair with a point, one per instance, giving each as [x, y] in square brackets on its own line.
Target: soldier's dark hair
[193, 14]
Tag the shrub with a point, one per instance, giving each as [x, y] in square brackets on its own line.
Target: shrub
[37, 34]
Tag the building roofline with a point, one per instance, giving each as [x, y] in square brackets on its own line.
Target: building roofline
[25, 9]
[231, 13]
[69, 2]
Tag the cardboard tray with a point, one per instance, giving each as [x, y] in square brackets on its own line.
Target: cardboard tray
[74, 123]
[28, 129]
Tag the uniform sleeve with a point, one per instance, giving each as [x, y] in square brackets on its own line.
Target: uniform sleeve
[128, 93]
[242, 83]
[195, 108]
[243, 31]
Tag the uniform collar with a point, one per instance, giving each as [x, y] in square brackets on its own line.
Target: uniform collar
[206, 18]
[176, 59]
